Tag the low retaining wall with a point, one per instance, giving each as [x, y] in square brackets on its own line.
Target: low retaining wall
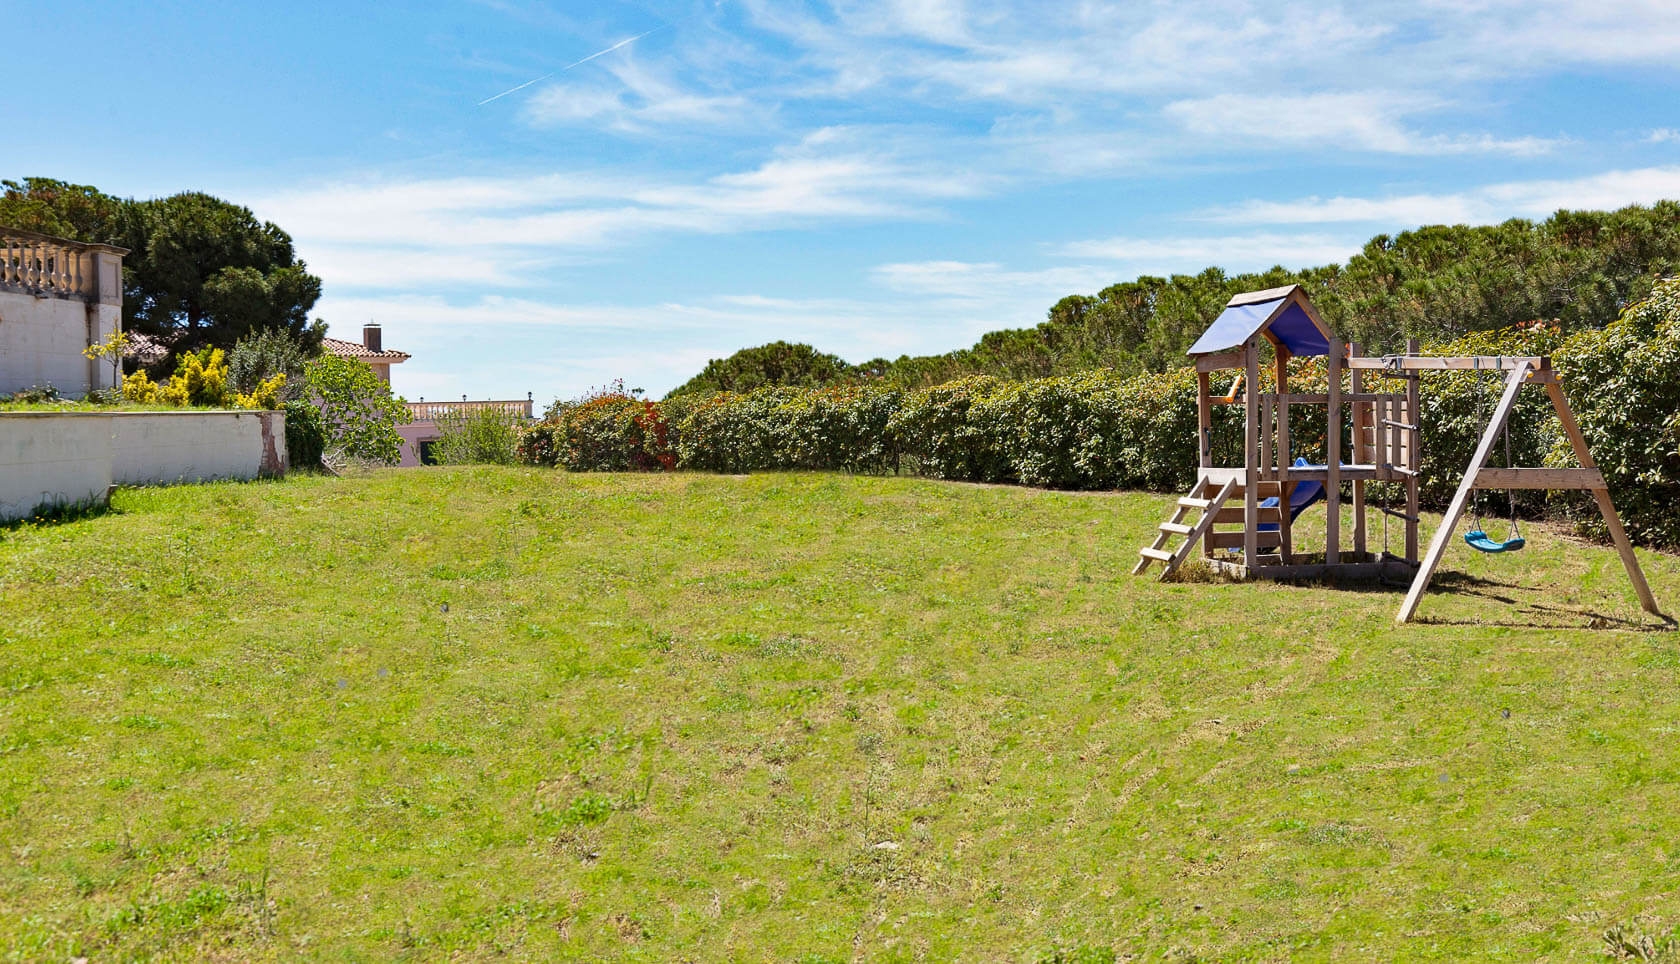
[68, 458]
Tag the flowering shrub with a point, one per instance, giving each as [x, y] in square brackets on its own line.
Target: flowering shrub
[610, 431]
[201, 378]
[536, 445]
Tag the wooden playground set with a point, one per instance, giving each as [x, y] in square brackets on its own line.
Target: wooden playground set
[1258, 501]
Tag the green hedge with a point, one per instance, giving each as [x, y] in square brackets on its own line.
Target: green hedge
[1096, 430]
[934, 428]
[843, 427]
[1623, 384]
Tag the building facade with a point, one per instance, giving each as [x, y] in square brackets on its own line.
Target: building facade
[57, 298]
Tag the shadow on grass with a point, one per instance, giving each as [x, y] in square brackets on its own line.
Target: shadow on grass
[1561, 618]
[1538, 615]
[50, 514]
[1512, 610]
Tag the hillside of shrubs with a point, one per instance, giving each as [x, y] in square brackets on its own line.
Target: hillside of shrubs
[1100, 429]
[1434, 283]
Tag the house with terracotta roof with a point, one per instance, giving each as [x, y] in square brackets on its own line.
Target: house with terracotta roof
[421, 434]
[371, 349]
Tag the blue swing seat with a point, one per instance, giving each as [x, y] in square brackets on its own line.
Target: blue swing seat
[1482, 542]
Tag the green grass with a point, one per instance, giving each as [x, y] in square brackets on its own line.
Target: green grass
[466, 713]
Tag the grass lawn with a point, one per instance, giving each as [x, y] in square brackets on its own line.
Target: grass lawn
[466, 713]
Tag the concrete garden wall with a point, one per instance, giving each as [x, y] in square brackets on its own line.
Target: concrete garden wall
[41, 343]
[64, 458]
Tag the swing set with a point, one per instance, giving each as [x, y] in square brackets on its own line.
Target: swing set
[1262, 497]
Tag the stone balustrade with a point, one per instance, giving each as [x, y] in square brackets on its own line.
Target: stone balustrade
[49, 267]
[424, 411]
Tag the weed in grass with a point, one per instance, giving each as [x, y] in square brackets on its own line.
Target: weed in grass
[1628, 942]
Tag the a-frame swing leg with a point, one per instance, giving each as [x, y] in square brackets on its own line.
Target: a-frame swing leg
[1606, 508]
[1449, 522]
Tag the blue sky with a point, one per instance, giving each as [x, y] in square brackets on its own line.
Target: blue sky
[872, 178]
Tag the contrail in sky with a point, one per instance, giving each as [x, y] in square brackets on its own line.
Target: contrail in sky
[622, 43]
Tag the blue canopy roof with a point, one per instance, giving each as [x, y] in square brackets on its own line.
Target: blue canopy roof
[1292, 327]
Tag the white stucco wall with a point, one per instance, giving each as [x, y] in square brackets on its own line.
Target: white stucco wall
[153, 448]
[61, 458]
[41, 343]
[52, 459]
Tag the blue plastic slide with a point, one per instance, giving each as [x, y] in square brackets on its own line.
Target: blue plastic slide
[1305, 494]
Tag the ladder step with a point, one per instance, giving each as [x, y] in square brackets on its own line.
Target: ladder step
[1175, 527]
[1189, 503]
[1161, 554]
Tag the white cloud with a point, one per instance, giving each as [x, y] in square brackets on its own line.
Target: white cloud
[1517, 35]
[564, 349]
[438, 232]
[639, 99]
[990, 282]
[1663, 135]
[1249, 252]
[1489, 204]
[1363, 120]
[1413, 209]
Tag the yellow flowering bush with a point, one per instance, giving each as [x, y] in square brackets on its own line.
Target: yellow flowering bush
[201, 378]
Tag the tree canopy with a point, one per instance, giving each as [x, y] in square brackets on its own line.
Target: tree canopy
[358, 412]
[1576, 268]
[778, 363]
[201, 271]
[1434, 283]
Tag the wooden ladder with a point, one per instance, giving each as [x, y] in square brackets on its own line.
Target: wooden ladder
[1176, 526]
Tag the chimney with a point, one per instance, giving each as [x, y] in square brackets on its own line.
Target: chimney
[370, 337]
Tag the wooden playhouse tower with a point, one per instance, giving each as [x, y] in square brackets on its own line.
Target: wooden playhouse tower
[1242, 516]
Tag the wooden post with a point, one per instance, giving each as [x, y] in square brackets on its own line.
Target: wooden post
[1333, 459]
[1412, 447]
[1606, 508]
[1364, 419]
[1204, 440]
[1286, 488]
[1204, 419]
[1449, 522]
[1251, 459]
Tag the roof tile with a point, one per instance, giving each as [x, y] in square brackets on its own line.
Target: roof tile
[355, 349]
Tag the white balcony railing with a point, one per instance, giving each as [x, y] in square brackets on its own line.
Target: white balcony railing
[424, 411]
[49, 267]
